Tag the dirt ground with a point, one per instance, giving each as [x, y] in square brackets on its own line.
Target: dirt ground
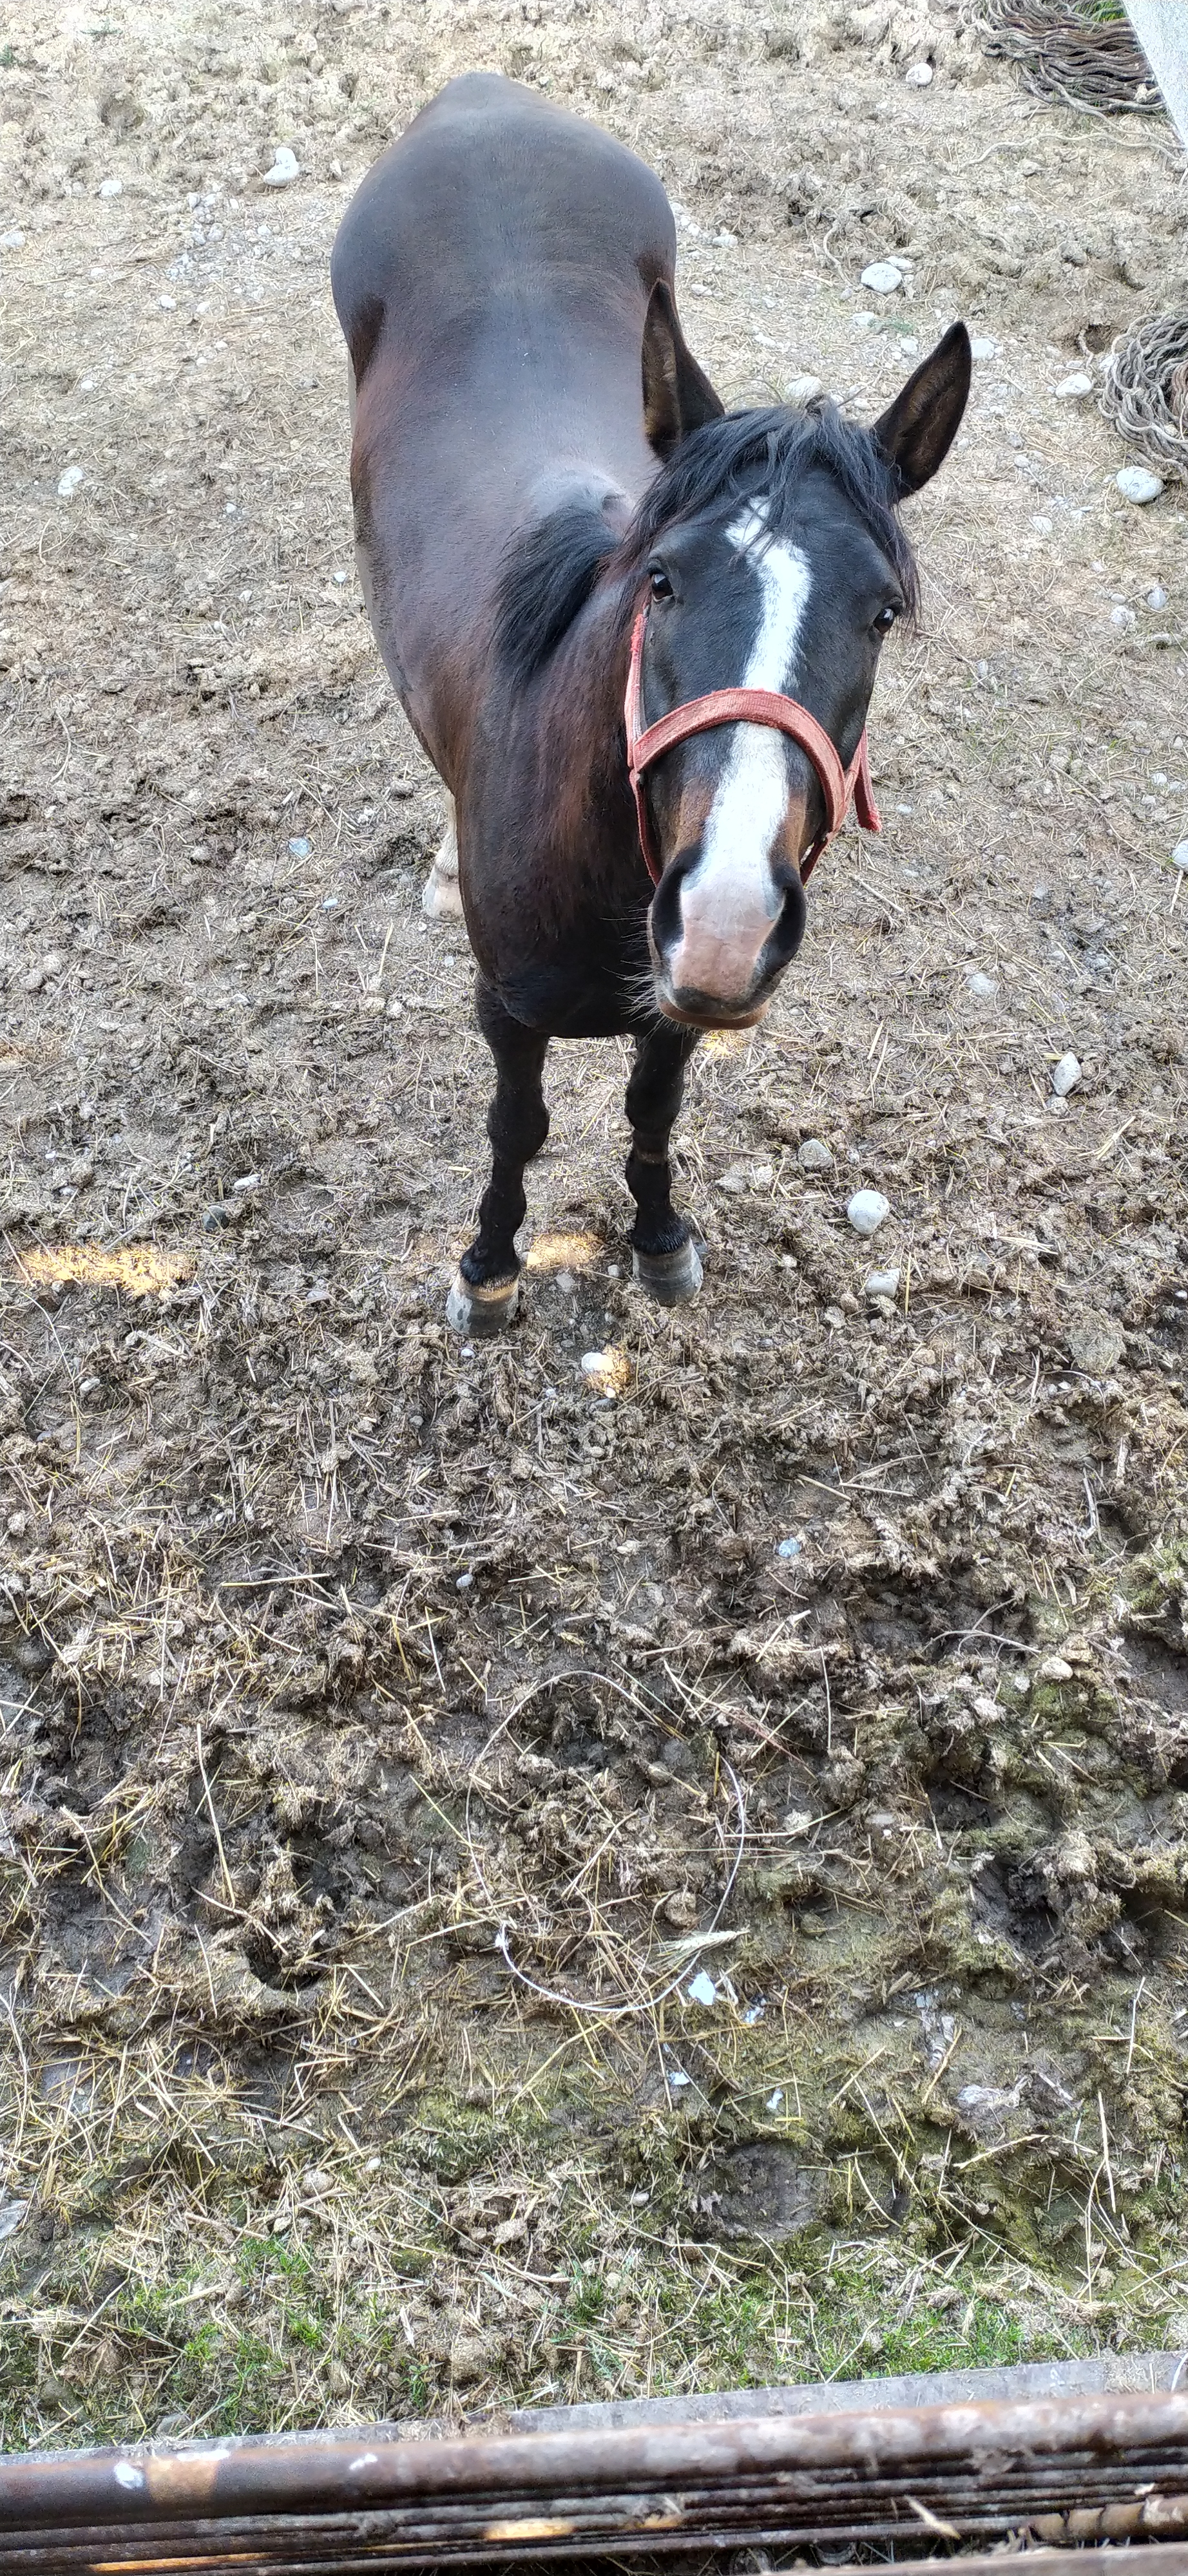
[394, 1731]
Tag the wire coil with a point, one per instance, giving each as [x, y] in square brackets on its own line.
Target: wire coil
[1145, 393]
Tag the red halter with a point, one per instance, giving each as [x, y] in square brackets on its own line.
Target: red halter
[743, 706]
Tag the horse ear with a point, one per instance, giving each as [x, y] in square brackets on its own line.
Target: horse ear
[919, 429]
[677, 396]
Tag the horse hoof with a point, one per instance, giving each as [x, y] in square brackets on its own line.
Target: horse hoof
[477, 1312]
[670, 1277]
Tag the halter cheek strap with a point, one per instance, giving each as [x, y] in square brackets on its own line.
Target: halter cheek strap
[742, 706]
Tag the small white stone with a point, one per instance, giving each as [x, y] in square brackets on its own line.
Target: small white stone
[803, 389]
[52, 962]
[1053, 1668]
[867, 1211]
[919, 76]
[882, 1283]
[982, 987]
[1137, 483]
[111, 187]
[168, 303]
[814, 1154]
[702, 1990]
[1073, 388]
[1065, 1076]
[285, 168]
[1156, 596]
[883, 277]
[1123, 616]
[68, 483]
[12, 241]
[1180, 857]
[983, 348]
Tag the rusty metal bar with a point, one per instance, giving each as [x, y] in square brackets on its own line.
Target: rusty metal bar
[329, 2472]
[1108, 2467]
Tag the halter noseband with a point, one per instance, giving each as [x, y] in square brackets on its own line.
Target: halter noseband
[743, 706]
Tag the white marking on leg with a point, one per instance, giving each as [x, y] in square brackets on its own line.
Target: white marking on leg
[730, 900]
[440, 896]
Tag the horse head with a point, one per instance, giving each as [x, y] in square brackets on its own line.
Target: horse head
[770, 559]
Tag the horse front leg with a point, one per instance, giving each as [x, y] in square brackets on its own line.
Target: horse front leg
[663, 1256]
[483, 1296]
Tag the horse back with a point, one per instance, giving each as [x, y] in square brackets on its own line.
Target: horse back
[491, 277]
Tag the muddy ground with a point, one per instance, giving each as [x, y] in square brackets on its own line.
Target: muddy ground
[394, 1731]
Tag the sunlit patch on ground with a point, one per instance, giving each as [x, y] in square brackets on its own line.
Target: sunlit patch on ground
[140, 1269]
[563, 1252]
[607, 1372]
[726, 1042]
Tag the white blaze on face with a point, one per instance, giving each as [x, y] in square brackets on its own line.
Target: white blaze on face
[730, 899]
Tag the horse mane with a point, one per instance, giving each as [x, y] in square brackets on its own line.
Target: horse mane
[548, 575]
[545, 578]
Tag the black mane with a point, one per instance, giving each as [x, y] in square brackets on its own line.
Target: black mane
[545, 578]
[548, 576]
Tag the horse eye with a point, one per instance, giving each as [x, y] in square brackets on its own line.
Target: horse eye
[661, 585]
[886, 618]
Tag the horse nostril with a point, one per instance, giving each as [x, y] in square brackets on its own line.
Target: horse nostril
[788, 931]
[666, 908]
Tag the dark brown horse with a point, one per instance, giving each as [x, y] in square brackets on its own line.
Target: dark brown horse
[537, 460]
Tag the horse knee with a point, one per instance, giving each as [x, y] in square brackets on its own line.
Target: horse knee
[517, 1127]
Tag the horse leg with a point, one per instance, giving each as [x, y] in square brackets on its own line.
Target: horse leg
[483, 1296]
[663, 1256]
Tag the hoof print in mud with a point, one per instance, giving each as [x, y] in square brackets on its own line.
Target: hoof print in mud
[757, 2191]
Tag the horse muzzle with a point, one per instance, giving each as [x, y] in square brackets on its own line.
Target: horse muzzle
[720, 940]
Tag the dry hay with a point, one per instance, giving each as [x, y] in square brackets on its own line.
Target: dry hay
[1145, 392]
[1074, 53]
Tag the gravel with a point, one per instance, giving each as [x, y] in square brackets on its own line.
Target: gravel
[814, 1154]
[883, 278]
[882, 1283]
[1065, 1076]
[285, 168]
[867, 1211]
[1138, 484]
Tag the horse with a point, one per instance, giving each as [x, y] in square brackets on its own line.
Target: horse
[593, 590]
